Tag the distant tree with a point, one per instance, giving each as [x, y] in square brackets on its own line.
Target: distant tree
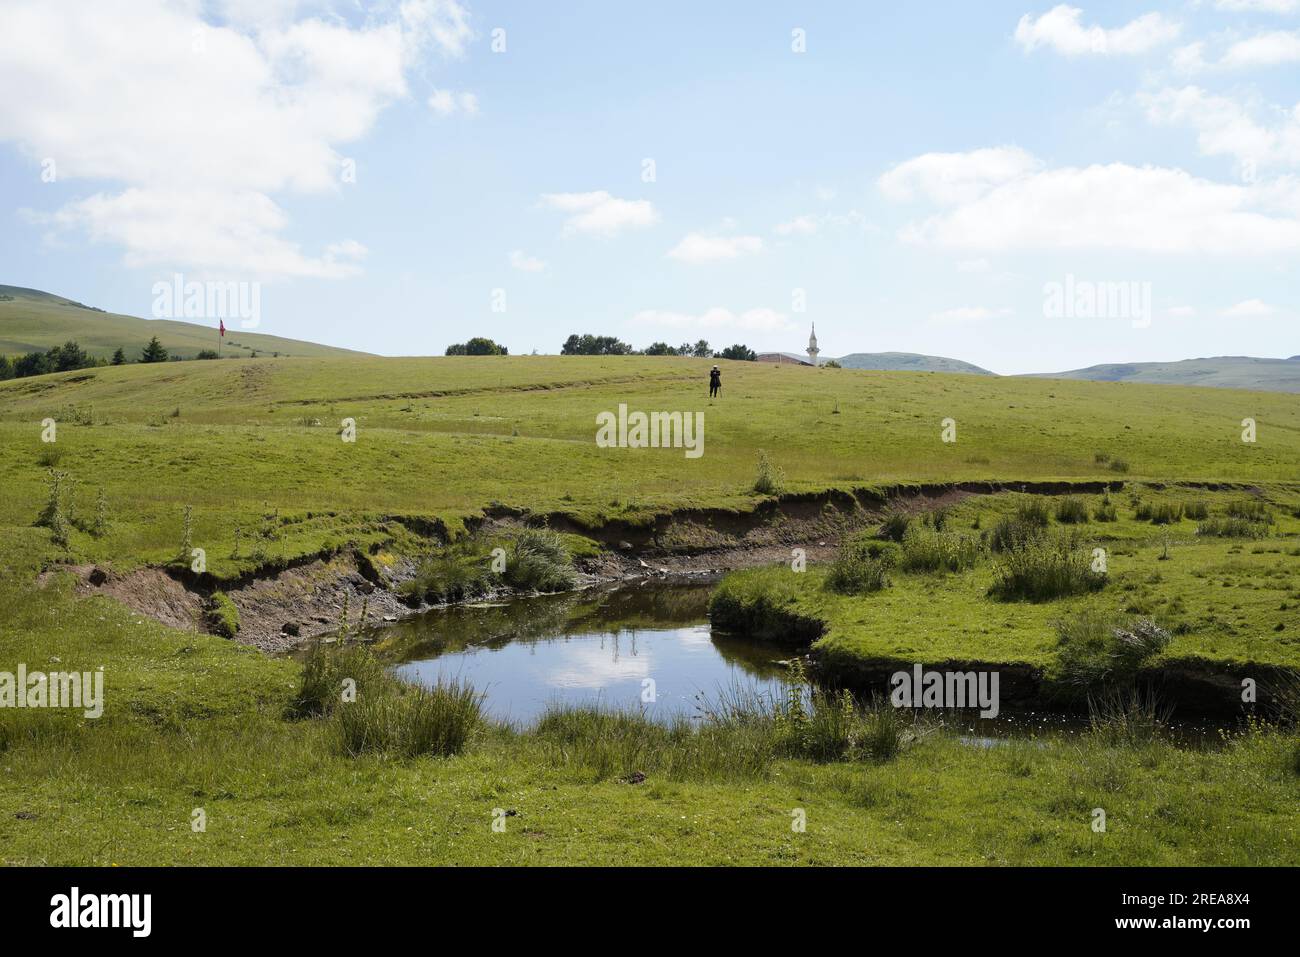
[456, 349]
[119, 357]
[207, 354]
[701, 350]
[6, 368]
[69, 356]
[738, 351]
[480, 346]
[33, 363]
[831, 364]
[686, 349]
[660, 349]
[154, 352]
[589, 345]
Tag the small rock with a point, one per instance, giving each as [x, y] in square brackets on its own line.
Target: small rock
[636, 777]
[390, 618]
[625, 546]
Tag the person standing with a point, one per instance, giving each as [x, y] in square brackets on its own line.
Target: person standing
[715, 382]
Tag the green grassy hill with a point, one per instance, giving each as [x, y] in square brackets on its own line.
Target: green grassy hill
[33, 321]
[908, 362]
[1227, 372]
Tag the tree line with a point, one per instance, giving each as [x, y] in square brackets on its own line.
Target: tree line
[70, 356]
[589, 345]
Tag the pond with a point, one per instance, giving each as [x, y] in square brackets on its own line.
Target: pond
[627, 647]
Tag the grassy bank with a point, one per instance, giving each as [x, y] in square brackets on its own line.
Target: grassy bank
[196, 722]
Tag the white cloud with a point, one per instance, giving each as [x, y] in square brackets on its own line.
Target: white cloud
[1116, 206]
[968, 314]
[600, 214]
[698, 248]
[1266, 49]
[1062, 29]
[1180, 312]
[808, 225]
[198, 123]
[751, 320]
[447, 102]
[1226, 127]
[953, 178]
[799, 226]
[525, 263]
[1260, 6]
[1250, 309]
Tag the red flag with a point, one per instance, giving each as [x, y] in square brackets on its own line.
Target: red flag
[222, 323]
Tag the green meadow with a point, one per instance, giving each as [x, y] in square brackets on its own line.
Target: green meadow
[196, 721]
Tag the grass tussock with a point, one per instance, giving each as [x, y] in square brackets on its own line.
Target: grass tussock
[533, 560]
[1072, 510]
[1221, 526]
[927, 549]
[862, 566]
[405, 721]
[1099, 647]
[1045, 567]
[1128, 718]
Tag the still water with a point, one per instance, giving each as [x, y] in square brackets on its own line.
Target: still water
[607, 646]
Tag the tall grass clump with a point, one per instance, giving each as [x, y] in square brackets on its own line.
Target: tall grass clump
[539, 561]
[861, 566]
[329, 672]
[1044, 568]
[1161, 513]
[927, 549]
[407, 721]
[1250, 510]
[1220, 526]
[1026, 524]
[458, 572]
[54, 515]
[815, 724]
[1072, 510]
[1096, 646]
[895, 525]
[770, 479]
[1128, 717]
[1196, 510]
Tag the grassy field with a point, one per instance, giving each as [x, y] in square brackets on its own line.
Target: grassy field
[196, 721]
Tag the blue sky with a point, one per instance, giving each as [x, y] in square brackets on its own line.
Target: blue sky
[914, 180]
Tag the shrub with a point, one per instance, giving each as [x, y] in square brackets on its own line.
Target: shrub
[1044, 568]
[929, 550]
[861, 566]
[320, 688]
[1162, 513]
[407, 721]
[1250, 509]
[1221, 527]
[539, 561]
[222, 617]
[1072, 511]
[770, 479]
[1033, 511]
[1096, 646]
[50, 455]
[895, 525]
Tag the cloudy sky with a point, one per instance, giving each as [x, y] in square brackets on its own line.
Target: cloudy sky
[912, 177]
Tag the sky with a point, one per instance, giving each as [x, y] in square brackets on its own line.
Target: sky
[1026, 186]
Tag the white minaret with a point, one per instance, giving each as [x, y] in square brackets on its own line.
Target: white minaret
[812, 345]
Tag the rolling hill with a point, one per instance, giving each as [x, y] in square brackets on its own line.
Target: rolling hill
[33, 321]
[908, 362]
[1225, 372]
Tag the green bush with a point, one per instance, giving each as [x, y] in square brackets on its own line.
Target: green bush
[862, 566]
[895, 525]
[222, 617]
[770, 479]
[328, 666]
[1044, 568]
[928, 550]
[1224, 527]
[408, 721]
[1072, 511]
[539, 561]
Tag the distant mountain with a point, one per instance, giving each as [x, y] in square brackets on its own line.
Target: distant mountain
[908, 362]
[1224, 372]
[33, 321]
